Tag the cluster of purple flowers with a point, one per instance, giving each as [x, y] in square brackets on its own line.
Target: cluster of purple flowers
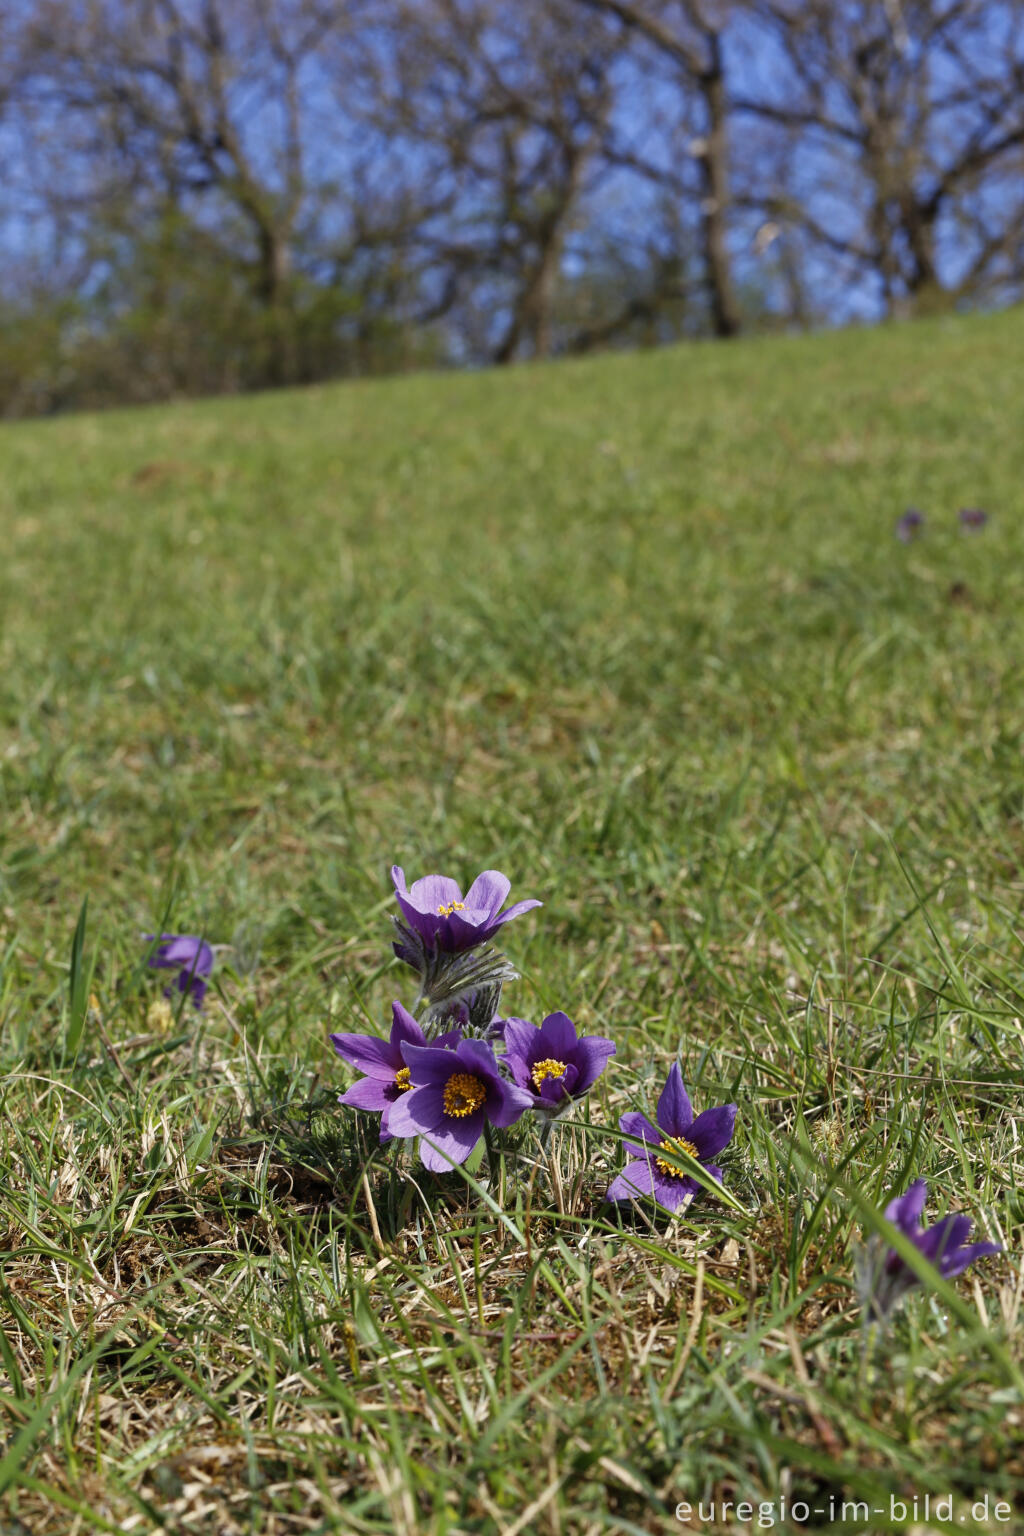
[442, 1081]
[467, 1068]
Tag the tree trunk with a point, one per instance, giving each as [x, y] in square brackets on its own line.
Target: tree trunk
[725, 314]
[272, 288]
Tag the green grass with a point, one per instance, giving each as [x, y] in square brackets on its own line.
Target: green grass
[638, 632]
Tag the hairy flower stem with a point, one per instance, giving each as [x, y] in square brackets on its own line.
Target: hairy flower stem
[555, 1175]
[554, 1172]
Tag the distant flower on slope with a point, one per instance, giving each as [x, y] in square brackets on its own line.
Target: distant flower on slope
[909, 525]
[387, 1076]
[191, 957]
[972, 518]
[552, 1062]
[435, 908]
[944, 1245]
[677, 1131]
[454, 1094]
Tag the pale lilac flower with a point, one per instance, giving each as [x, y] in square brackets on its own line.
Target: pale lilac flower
[435, 909]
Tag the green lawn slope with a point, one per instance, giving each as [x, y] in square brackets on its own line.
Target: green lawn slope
[638, 631]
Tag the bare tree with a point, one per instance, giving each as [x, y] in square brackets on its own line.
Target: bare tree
[501, 109]
[203, 106]
[898, 135]
[686, 37]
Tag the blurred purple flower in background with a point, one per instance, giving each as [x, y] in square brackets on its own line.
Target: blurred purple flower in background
[387, 1076]
[552, 1062]
[677, 1131]
[909, 525]
[972, 518]
[436, 909]
[191, 957]
[944, 1245]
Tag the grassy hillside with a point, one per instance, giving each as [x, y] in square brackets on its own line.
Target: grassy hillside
[637, 631]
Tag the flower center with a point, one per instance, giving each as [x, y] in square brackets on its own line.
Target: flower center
[453, 906]
[403, 1082]
[547, 1068]
[674, 1144]
[463, 1094]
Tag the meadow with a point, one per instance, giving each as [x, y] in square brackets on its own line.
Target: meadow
[637, 631]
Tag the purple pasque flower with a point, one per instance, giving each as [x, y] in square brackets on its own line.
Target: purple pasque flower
[191, 957]
[552, 1062]
[454, 1093]
[677, 1131]
[909, 525]
[387, 1076]
[944, 1245]
[972, 518]
[436, 909]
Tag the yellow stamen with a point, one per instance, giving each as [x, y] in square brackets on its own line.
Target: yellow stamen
[403, 1082]
[453, 906]
[549, 1067]
[675, 1144]
[463, 1094]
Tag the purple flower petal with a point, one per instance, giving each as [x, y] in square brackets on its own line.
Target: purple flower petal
[941, 1241]
[194, 985]
[672, 1193]
[430, 1063]
[184, 950]
[404, 1027]
[907, 1210]
[592, 1056]
[557, 1037]
[520, 1049]
[451, 1143]
[516, 910]
[520, 1035]
[478, 1056]
[955, 1263]
[376, 1057]
[368, 1093]
[675, 1112]
[554, 1089]
[506, 1103]
[633, 1123]
[463, 930]
[487, 892]
[634, 1182]
[433, 891]
[420, 1110]
[712, 1130]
